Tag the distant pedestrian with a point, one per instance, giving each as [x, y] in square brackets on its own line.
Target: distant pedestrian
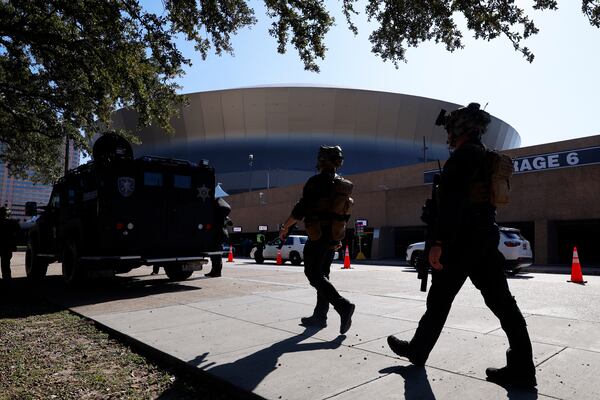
[325, 208]
[465, 213]
[9, 230]
[222, 210]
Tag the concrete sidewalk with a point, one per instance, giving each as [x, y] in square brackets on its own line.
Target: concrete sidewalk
[243, 328]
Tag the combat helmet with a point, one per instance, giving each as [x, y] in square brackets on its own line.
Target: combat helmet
[469, 120]
[330, 157]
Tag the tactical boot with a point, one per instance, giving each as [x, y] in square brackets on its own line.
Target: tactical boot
[314, 321]
[346, 312]
[402, 349]
[213, 274]
[511, 376]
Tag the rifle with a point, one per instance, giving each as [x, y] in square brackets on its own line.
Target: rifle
[289, 232]
[429, 216]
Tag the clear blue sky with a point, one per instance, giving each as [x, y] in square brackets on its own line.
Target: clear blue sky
[554, 98]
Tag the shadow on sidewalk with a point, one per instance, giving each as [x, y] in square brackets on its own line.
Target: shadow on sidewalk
[21, 298]
[416, 383]
[248, 372]
[18, 299]
[417, 387]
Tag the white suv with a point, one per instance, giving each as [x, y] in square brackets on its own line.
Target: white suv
[292, 250]
[515, 249]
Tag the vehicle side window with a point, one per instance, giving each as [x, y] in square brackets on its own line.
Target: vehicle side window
[275, 242]
[55, 201]
[289, 241]
[182, 181]
[153, 179]
[71, 196]
[303, 240]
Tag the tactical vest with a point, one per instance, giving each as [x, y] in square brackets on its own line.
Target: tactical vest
[492, 183]
[331, 211]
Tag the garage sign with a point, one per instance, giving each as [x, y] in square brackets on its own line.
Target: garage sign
[563, 159]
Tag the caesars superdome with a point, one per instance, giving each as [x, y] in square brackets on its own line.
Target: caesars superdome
[264, 137]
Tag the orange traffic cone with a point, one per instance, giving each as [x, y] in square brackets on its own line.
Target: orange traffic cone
[279, 260]
[230, 255]
[576, 275]
[346, 259]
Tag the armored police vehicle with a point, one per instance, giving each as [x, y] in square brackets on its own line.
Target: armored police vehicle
[117, 213]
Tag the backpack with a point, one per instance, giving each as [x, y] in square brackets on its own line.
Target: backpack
[341, 207]
[332, 210]
[500, 167]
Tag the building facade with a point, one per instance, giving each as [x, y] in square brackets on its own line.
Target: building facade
[14, 193]
[554, 201]
[263, 142]
[264, 137]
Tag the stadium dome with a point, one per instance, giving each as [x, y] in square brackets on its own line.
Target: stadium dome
[262, 137]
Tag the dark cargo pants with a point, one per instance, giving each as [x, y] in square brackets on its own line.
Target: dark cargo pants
[318, 257]
[480, 261]
[5, 257]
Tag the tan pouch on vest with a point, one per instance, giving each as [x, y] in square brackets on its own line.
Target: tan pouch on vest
[313, 229]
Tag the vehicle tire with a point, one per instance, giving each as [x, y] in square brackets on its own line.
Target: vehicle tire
[414, 258]
[73, 270]
[295, 258]
[175, 273]
[258, 257]
[35, 268]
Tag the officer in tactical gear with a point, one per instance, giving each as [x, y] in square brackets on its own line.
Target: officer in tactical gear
[465, 215]
[223, 209]
[325, 208]
[9, 230]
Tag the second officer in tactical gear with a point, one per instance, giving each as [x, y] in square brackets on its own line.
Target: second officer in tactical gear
[325, 208]
[465, 213]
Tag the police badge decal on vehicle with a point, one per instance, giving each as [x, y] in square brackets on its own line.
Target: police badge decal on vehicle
[126, 185]
[203, 192]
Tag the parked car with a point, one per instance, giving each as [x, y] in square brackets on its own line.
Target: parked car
[292, 250]
[515, 249]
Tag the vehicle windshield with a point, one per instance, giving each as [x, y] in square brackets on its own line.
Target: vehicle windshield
[512, 234]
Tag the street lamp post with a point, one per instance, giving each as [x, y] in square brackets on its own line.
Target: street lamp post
[251, 164]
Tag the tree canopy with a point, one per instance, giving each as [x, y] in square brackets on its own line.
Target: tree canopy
[66, 65]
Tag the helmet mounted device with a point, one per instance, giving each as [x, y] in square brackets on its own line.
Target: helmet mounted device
[469, 120]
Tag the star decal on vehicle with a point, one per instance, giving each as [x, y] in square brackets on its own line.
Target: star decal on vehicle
[203, 192]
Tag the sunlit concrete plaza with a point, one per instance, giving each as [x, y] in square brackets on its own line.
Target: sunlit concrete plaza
[243, 329]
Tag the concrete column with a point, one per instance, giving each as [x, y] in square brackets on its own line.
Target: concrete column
[383, 246]
[542, 242]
